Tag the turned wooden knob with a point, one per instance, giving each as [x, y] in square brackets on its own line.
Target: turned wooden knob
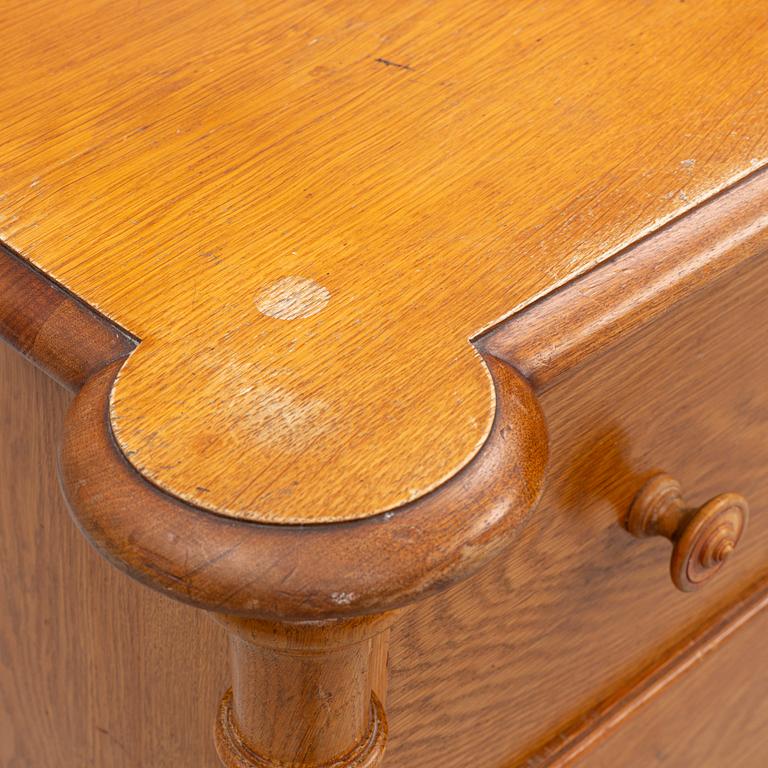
[703, 537]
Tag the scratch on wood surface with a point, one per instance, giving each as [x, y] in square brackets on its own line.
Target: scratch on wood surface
[389, 63]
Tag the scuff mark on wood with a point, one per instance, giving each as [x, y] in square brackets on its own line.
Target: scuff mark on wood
[389, 63]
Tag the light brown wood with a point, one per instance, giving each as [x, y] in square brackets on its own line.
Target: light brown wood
[304, 211]
[543, 626]
[298, 573]
[302, 695]
[52, 328]
[605, 306]
[601, 722]
[95, 670]
[230, 565]
[714, 716]
[298, 242]
[703, 538]
[567, 637]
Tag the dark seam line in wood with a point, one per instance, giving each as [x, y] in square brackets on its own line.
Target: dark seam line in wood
[581, 736]
[340, 525]
[54, 329]
[9, 252]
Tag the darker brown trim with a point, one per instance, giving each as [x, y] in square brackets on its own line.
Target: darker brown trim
[245, 568]
[293, 572]
[52, 328]
[557, 333]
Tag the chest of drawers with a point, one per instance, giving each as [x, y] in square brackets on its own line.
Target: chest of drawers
[411, 361]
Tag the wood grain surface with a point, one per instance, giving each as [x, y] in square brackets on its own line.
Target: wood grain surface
[714, 716]
[493, 671]
[303, 694]
[294, 573]
[96, 671]
[52, 328]
[480, 675]
[608, 304]
[305, 210]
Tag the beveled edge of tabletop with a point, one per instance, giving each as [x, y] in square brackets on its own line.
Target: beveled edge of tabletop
[388, 560]
[250, 568]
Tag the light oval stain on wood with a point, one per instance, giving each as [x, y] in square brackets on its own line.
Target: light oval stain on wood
[292, 298]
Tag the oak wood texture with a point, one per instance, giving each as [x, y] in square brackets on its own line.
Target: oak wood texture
[299, 573]
[495, 670]
[607, 305]
[212, 564]
[304, 286]
[52, 328]
[302, 695]
[96, 671]
[436, 651]
[500, 490]
[304, 211]
[739, 302]
[664, 725]
[551, 610]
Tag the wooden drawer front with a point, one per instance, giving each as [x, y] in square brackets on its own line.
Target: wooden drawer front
[713, 715]
[496, 669]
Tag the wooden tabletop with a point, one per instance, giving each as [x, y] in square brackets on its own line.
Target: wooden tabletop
[306, 211]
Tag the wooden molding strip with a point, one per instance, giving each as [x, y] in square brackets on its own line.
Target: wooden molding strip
[559, 331]
[286, 572]
[583, 735]
[295, 572]
[52, 328]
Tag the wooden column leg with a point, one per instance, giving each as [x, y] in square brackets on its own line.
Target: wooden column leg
[302, 695]
[304, 605]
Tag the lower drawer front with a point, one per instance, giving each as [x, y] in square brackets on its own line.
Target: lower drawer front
[714, 715]
[498, 672]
